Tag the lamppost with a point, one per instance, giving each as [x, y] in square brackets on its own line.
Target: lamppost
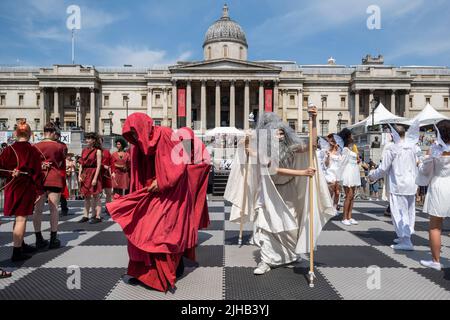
[126, 103]
[323, 106]
[110, 114]
[339, 121]
[77, 110]
[373, 104]
[251, 120]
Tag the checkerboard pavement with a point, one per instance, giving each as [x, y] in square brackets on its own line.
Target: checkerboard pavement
[224, 270]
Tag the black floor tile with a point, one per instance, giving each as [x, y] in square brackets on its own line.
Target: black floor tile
[51, 284]
[38, 259]
[107, 238]
[216, 225]
[278, 284]
[207, 256]
[441, 278]
[77, 227]
[232, 237]
[386, 238]
[353, 257]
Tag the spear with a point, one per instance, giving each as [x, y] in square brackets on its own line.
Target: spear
[12, 171]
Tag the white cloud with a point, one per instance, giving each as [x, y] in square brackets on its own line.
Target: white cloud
[139, 56]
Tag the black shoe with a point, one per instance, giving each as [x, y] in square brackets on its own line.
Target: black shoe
[65, 212]
[41, 244]
[54, 244]
[83, 220]
[19, 256]
[26, 248]
[95, 220]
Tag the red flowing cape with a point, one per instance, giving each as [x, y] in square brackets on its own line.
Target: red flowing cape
[158, 226]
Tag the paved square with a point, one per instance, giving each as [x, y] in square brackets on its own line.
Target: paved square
[345, 260]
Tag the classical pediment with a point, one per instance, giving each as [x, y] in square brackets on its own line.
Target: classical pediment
[226, 65]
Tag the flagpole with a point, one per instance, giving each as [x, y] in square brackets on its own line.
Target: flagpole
[73, 46]
[311, 208]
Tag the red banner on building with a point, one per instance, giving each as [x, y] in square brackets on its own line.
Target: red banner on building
[181, 94]
[268, 100]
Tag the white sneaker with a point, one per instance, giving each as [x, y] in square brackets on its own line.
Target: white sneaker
[346, 222]
[403, 246]
[431, 264]
[353, 221]
[397, 241]
[262, 268]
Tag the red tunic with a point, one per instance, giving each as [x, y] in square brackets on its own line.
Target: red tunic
[88, 161]
[54, 153]
[120, 165]
[157, 225]
[21, 192]
[106, 177]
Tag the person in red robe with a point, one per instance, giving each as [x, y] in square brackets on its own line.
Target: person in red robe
[157, 215]
[53, 157]
[106, 174]
[120, 168]
[90, 178]
[21, 164]
[198, 168]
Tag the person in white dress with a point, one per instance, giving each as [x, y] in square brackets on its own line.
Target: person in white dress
[349, 174]
[436, 169]
[332, 164]
[275, 195]
[399, 164]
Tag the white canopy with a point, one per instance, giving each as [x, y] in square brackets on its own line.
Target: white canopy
[224, 130]
[428, 116]
[381, 116]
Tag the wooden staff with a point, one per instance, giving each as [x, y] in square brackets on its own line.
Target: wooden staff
[311, 207]
[244, 196]
[11, 171]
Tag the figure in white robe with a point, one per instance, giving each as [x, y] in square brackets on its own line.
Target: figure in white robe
[399, 164]
[277, 203]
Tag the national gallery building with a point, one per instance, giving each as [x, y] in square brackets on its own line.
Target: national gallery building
[221, 90]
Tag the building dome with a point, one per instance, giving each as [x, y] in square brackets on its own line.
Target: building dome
[225, 30]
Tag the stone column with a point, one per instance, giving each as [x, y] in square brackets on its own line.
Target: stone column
[150, 102]
[93, 117]
[246, 104]
[42, 108]
[407, 105]
[371, 97]
[189, 104]
[232, 104]
[203, 107]
[393, 101]
[285, 105]
[218, 124]
[174, 104]
[165, 106]
[299, 106]
[356, 114]
[55, 104]
[275, 97]
[261, 98]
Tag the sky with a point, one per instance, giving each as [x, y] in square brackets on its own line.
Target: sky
[155, 32]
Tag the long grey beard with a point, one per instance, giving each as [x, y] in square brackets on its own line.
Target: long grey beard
[286, 153]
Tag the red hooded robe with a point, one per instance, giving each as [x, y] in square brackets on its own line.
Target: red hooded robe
[158, 225]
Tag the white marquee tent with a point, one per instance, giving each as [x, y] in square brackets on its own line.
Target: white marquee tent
[428, 116]
[381, 116]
